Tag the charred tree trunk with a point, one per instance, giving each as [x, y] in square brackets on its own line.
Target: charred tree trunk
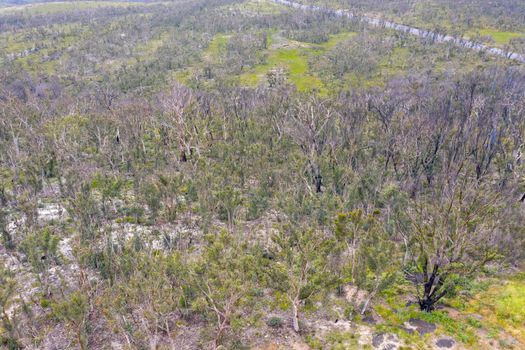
[429, 300]
[318, 183]
[432, 292]
[318, 178]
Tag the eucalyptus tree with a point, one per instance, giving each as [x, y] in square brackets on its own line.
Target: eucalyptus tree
[224, 279]
[299, 267]
[453, 233]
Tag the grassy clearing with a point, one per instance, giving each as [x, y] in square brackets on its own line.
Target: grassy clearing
[216, 48]
[293, 61]
[298, 61]
[500, 38]
[293, 57]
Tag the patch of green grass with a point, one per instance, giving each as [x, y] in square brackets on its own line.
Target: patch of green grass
[413, 339]
[294, 61]
[396, 62]
[474, 322]
[503, 304]
[342, 340]
[336, 39]
[182, 76]
[313, 342]
[500, 37]
[460, 329]
[217, 47]
[391, 318]
[280, 301]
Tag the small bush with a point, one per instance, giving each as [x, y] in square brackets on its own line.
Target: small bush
[473, 322]
[274, 322]
[44, 303]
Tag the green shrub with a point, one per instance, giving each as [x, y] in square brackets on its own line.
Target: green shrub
[274, 322]
[474, 322]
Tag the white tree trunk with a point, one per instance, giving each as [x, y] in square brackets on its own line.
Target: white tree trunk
[295, 306]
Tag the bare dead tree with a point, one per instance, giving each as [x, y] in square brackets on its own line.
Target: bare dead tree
[311, 125]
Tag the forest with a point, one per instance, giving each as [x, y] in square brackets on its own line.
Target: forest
[243, 174]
